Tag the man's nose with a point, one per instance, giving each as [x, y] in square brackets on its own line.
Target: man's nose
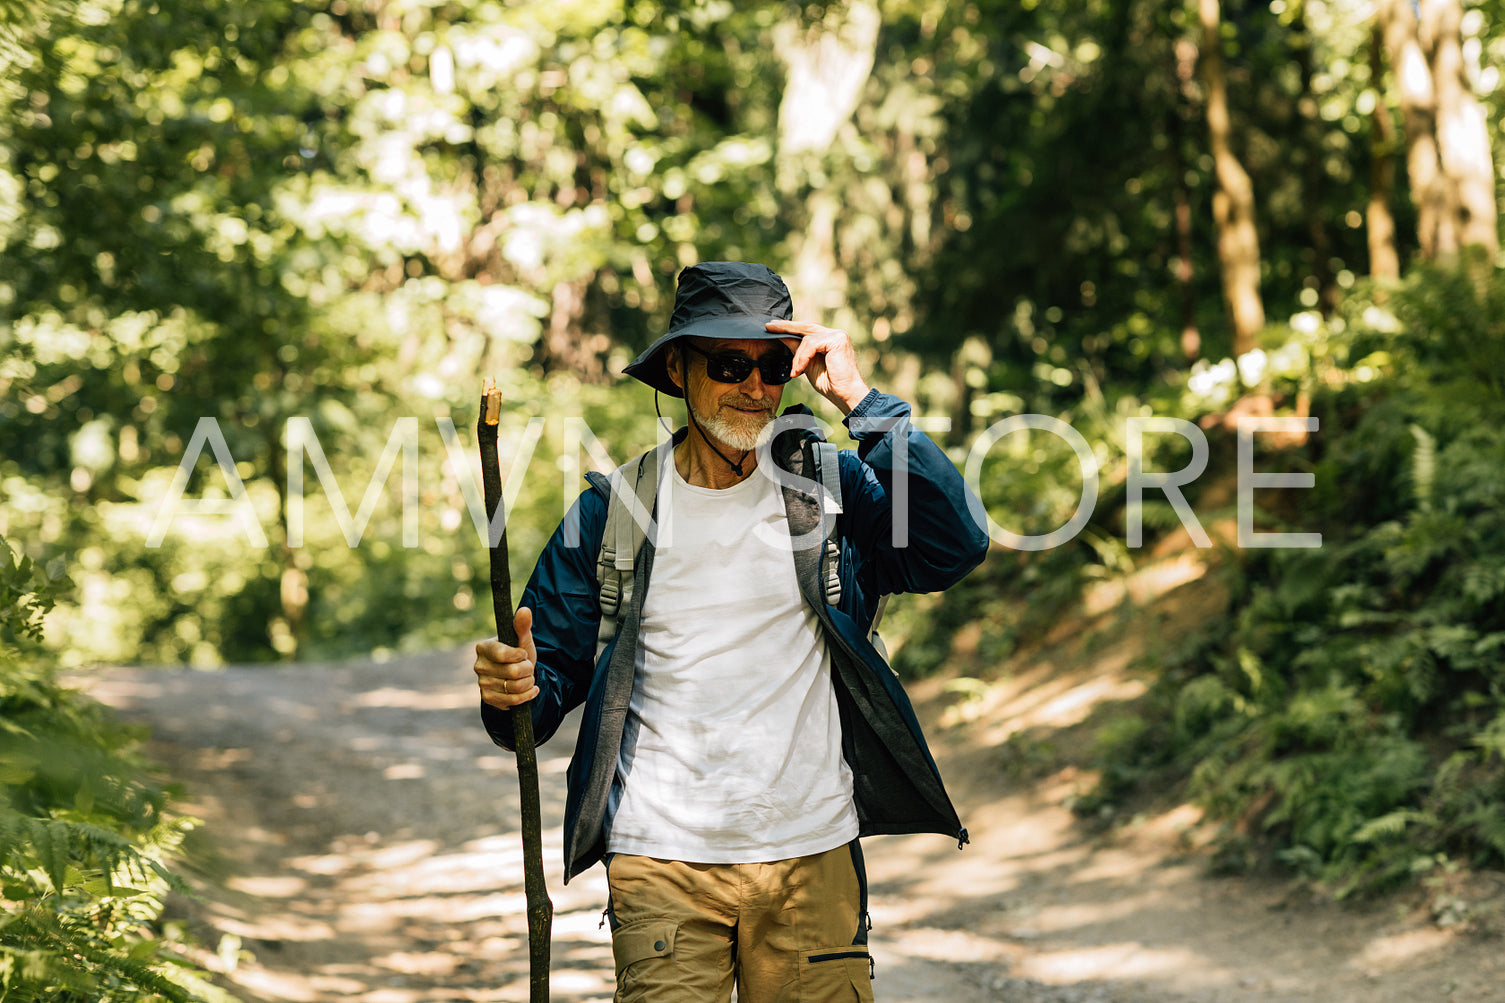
[753, 386]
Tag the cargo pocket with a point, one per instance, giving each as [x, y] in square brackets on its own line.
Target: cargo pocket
[836, 974]
[640, 950]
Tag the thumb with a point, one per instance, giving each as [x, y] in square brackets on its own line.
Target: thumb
[522, 622]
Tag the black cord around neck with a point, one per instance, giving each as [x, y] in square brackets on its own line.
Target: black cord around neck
[737, 466]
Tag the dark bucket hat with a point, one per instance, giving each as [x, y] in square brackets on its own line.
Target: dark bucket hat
[716, 299]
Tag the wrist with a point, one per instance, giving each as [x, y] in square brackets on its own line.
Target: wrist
[848, 398]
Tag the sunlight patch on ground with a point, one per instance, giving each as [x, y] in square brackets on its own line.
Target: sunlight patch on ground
[274, 985]
[1127, 960]
[928, 944]
[1145, 585]
[269, 886]
[410, 963]
[1053, 703]
[582, 923]
[277, 928]
[1396, 950]
[1084, 915]
[402, 854]
[1124, 867]
[328, 864]
[406, 699]
[584, 984]
[1073, 706]
[390, 996]
[506, 763]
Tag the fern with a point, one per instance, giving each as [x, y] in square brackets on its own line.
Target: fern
[1347, 717]
[1391, 825]
[1423, 466]
[85, 833]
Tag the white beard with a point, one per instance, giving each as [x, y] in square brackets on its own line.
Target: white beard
[730, 428]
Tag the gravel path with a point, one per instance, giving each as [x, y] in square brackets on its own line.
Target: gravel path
[365, 849]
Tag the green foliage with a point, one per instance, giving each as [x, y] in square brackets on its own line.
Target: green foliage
[27, 593]
[278, 209]
[259, 212]
[1081, 189]
[1346, 718]
[84, 833]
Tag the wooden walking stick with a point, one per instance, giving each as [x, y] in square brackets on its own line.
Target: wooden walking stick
[540, 909]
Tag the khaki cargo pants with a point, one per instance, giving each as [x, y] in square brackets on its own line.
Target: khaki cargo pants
[790, 931]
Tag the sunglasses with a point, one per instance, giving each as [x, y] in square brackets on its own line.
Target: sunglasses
[776, 368]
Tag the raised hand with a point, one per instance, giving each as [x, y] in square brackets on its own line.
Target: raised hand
[826, 358]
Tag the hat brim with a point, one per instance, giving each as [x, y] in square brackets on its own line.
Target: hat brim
[649, 367]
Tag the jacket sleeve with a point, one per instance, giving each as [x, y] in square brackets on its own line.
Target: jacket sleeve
[564, 596]
[916, 525]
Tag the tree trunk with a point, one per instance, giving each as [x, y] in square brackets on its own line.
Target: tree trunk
[1447, 138]
[827, 65]
[1418, 104]
[1419, 121]
[1466, 166]
[1233, 202]
[565, 347]
[1186, 75]
[1384, 259]
[1314, 183]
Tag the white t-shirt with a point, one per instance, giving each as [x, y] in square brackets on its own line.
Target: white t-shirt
[732, 748]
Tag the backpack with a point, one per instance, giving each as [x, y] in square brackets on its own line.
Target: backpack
[631, 492]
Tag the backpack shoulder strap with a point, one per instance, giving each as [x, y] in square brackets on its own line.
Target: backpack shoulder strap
[631, 491]
[804, 452]
[828, 474]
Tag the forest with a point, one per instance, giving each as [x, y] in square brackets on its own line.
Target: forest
[256, 257]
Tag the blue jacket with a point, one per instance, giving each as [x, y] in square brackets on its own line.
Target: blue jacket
[896, 786]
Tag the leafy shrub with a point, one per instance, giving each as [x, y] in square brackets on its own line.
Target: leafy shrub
[1347, 718]
[83, 832]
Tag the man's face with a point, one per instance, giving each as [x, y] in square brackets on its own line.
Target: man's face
[733, 414]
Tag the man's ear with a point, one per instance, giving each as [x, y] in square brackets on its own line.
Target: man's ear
[673, 366]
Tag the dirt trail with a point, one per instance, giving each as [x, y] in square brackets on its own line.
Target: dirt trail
[365, 828]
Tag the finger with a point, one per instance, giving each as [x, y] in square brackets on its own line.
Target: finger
[798, 332]
[522, 622]
[805, 347]
[795, 327]
[793, 344]
[507, 690]
[493, 691]
[498, 698]
[810, 350]
[506, 693]
[517, 677]
[492, 650]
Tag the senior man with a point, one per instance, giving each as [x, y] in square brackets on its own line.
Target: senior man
[741, 730]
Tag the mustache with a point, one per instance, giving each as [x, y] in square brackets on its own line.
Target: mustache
[747, 403]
